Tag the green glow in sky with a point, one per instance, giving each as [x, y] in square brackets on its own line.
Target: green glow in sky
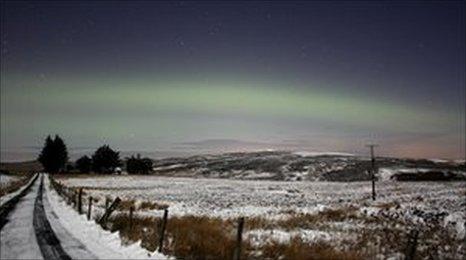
[117, 108]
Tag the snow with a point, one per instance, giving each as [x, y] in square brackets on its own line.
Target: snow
[223, 197]
[260, 236]
[435, 160]
[170, 167]
[72, 246]
[461, 161]
[315, 154]
[457, 219]
[18, 238]
[102, 243]
[385, 174]
[6, 179]
[226, 198]
[419, 203]
[7, 197]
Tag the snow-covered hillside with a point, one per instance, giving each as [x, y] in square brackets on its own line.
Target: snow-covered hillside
[296, 166]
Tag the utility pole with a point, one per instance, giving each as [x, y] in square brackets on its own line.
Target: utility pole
[371, 146]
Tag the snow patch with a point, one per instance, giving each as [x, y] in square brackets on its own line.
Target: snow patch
[6, 179]
[315, 154]
[261, 236]
[457, 219]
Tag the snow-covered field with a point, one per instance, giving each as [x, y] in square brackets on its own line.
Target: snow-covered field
[232, 198]
[435, 208]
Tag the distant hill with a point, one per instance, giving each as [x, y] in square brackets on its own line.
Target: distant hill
[301, 166]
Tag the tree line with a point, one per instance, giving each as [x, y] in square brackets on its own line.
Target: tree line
[54, 158]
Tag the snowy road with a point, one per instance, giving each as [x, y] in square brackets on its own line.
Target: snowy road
[32, 231]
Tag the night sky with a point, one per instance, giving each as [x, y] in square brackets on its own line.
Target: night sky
[172, 78]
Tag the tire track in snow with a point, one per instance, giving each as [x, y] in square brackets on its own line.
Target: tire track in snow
[48, 242]
[8, 207]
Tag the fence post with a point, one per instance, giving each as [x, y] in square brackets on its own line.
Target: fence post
[66, 195]
[89, 209]
[239, 235]
[108, 212]
[70, 195]
[75, 197]
[80, 201]
[107, 202]
[131, 209]
[412, 244]
[162, 230]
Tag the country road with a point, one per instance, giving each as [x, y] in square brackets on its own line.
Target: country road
[32, 230]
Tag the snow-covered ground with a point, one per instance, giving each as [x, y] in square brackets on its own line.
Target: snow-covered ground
[435, 208]
[7, 197]
[232, 198]
[103, 244]
[7, 179]
[412, 203]
[18, 240]
[79, 238]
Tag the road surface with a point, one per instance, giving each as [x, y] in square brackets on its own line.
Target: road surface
[33, 231]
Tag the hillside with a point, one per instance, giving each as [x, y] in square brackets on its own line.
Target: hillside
[292, 166]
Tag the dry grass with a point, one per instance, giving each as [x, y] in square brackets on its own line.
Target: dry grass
[387, 205]
[125, 205]
[300, 250]
[200, 238]
[186, 237]
[140, 228]
[196, 237]
[310, 221]
[152, 205]
[304, 220]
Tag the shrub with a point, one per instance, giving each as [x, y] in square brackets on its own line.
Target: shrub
[138, 165]
[84, 164]
[105, 160]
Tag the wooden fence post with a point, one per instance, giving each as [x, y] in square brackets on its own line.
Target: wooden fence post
[70, 196]
[67, 197]
[89, 208]
[107, 202]
[239, 235]
[131, 209]
[412, 244]
[162, 230]
[75, 197]
[108, 212]
[80, 201]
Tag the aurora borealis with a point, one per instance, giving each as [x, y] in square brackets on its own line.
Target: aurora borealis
[187, 77]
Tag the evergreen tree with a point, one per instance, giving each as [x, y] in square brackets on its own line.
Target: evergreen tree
[105, 160]
[54, 155]
[84, 164]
